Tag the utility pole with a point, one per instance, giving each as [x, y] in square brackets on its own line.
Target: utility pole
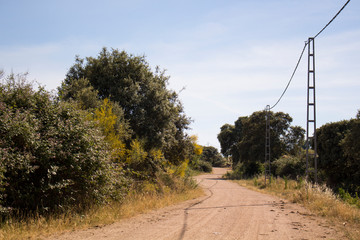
[311, 111]
[267, 145]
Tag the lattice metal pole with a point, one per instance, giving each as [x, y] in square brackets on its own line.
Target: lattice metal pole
[267, 145]
[311, 111]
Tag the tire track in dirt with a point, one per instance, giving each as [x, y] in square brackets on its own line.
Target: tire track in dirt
[186, 210]
[229, 211]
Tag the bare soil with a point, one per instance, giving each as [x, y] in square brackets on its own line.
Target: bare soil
[228, 211]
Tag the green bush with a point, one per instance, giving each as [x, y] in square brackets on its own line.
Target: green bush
[246, 170]
[51, 156]
[339, 158]
[200, 165]
[153, 112]
[346, 197]
[205, 166]
[210, 154]
[289, 166]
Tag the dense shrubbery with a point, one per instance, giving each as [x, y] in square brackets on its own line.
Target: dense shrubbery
[246, 170]
[210, 154]
[338, 151]
[153, 113]
[87, 145]
[244, 141]
[346, 197]
[201, 166]
[339, 154]
[51, 155]
[289, 166]
[141, 119]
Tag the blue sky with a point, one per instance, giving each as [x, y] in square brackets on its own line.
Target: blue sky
[232, 57]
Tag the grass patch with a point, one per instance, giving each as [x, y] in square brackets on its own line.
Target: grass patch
[39, 227]
[319, 199]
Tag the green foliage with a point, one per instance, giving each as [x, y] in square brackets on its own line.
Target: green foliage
[256, 182]
[329, 148]
[351, 144]
[136, 156]
[338, 154]
[204, 166]
[52, 157]
[198, 160]
[200, 165]
[210, 154]
[154, 113]
[289, 166]
[245, 140]
[83, 147]
[286, 183]
[346, 197]
[179, 150]
[80, 91]
[181, 169]
[198, 149]
[227, 138]
[144, 165]
[294, 140]
[143, 122]
[300, 183]
[246, 170]
[114, 128]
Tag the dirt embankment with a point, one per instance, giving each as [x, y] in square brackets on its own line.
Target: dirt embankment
[229, 211]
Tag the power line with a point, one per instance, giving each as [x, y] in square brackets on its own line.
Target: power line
[302, 52]
[332, 19]
[296, 67]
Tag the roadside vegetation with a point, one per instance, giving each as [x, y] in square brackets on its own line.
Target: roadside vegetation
[38, 226]
[335, 196]
[112, 142]
[340, 209]
[338, 151]
[113, 136]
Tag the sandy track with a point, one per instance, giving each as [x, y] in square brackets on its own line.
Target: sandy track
[229, 211]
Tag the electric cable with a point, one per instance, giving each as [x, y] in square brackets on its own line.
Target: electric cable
[302, 52]
[332, 19]
[292, 76]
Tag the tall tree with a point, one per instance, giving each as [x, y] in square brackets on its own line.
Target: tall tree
[339, 154]
[351, 143]
[155, 113]
[245, 140]
[211, 155]
[226, 138]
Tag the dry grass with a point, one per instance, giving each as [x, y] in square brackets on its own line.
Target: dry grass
[39, 227]
[320, 200]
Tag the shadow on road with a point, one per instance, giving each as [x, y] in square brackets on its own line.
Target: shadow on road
[219, 178]
[241, 205]
[183, 230]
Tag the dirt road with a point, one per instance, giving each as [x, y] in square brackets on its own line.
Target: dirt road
[229, 211]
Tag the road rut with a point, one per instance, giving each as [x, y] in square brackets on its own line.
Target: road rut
[228, 211]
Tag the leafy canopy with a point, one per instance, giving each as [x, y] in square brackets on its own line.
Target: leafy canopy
[51, 156]
[244, 141]
[154, 113]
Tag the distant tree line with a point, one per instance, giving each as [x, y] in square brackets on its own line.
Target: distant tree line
[244, 141]
[338, 149]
